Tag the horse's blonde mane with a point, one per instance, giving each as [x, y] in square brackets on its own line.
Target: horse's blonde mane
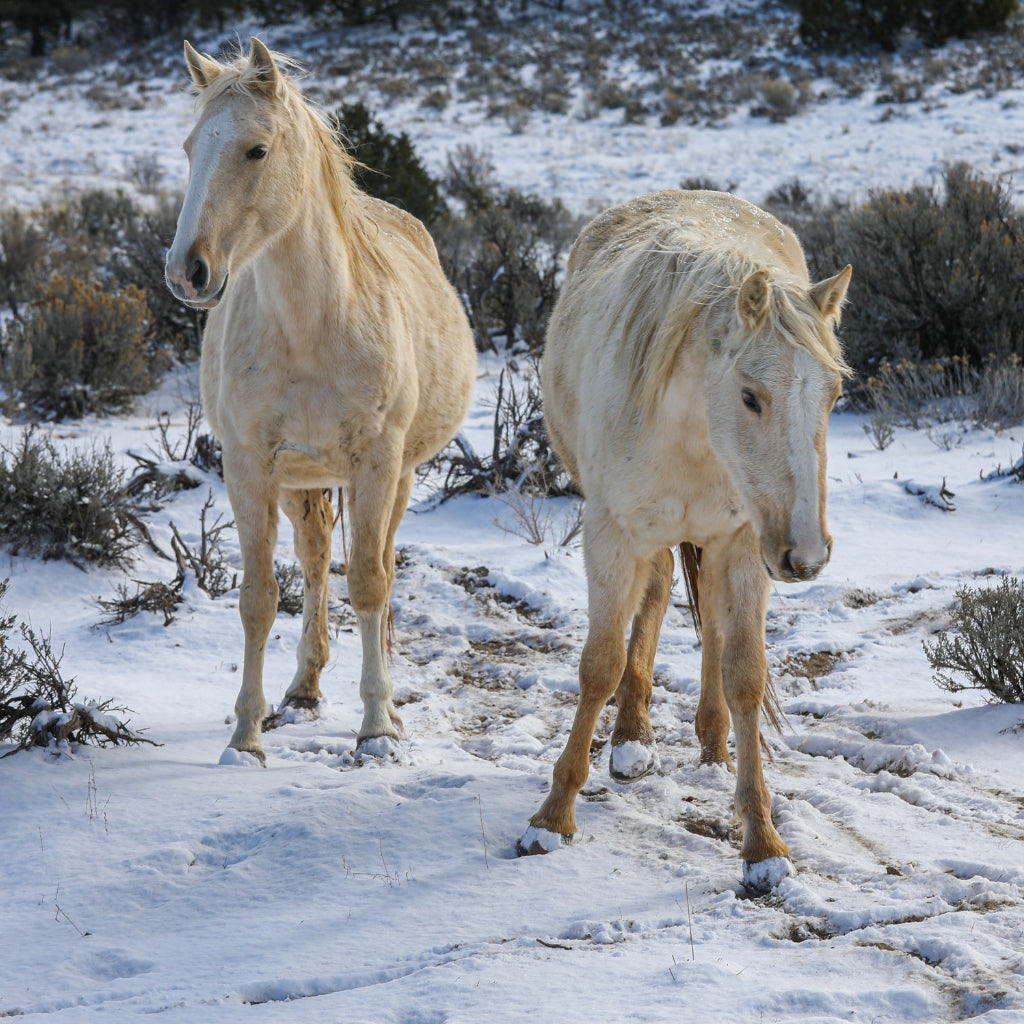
[675, 284]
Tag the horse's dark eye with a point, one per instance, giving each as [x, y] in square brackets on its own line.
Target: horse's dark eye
[256, 153]
[750, 401]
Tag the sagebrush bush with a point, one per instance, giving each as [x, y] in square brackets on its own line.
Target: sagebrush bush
[504, 252]
[137, 259]
[938, 272]
[79, 349]
[69, 506]
[922, 394]
[104, 238]
[521, 458]
[23, 250]
[984, 646]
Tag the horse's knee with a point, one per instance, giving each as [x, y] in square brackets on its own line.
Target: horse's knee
[368, 588]
[257, 603]
[601, 666]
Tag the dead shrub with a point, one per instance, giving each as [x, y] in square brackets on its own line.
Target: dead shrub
[38, 707]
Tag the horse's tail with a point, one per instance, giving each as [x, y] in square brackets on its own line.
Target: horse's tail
[689, 556]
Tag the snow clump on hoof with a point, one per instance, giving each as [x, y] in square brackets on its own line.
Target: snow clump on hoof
[243, 758]
[379, 748]
[540, 840]
[633, 760]
[762, 876]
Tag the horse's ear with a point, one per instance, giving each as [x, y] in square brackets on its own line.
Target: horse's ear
[752, 301]
[265, 73]
[202, 69]
[828, 295]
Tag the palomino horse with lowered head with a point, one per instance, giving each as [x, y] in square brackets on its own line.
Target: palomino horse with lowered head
[336, 354]
[688, 376]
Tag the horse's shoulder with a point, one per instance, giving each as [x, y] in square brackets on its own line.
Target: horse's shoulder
[394, 221]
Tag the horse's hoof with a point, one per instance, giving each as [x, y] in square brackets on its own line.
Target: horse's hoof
[291, 710]
[244, 758]
[762, 876]
[541, 840]
[633, 760]
[379, 748]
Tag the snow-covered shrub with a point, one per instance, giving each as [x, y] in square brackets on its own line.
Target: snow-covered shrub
[38, 706]
[984, 646]
[69, 506]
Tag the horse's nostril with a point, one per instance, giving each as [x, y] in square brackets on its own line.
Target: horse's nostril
[786, 563]
[199, 275]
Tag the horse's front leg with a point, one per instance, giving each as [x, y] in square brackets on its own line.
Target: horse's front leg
[254, 502]
[312, 519]
[615, 582]
[734, 603]
[377, 500]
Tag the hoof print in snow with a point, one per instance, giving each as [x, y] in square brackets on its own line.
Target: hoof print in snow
[541, 840]
[632, 761]
[763, 876]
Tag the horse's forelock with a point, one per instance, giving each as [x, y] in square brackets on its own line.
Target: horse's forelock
[241, 75]
[793, 315]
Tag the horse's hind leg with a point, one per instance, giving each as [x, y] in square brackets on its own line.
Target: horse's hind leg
[615, 582]
[633, 752]
[312, 519]
[376, 511]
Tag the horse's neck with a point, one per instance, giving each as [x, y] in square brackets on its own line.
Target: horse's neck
[308, 269]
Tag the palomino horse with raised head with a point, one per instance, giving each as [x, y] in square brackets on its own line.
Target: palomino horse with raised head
[688, 376]
[336, 354]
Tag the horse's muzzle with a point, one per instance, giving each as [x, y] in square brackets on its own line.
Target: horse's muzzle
[186, 292]
[798, 566]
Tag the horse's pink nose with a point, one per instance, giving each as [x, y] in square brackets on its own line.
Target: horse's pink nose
[187, 280]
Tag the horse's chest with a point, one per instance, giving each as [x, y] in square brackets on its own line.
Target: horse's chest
[666, 497]
[311, 428]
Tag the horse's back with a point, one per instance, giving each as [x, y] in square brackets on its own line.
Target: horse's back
[399, 223]
[705, 217]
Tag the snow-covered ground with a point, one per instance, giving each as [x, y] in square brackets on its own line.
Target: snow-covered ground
[154, 880]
